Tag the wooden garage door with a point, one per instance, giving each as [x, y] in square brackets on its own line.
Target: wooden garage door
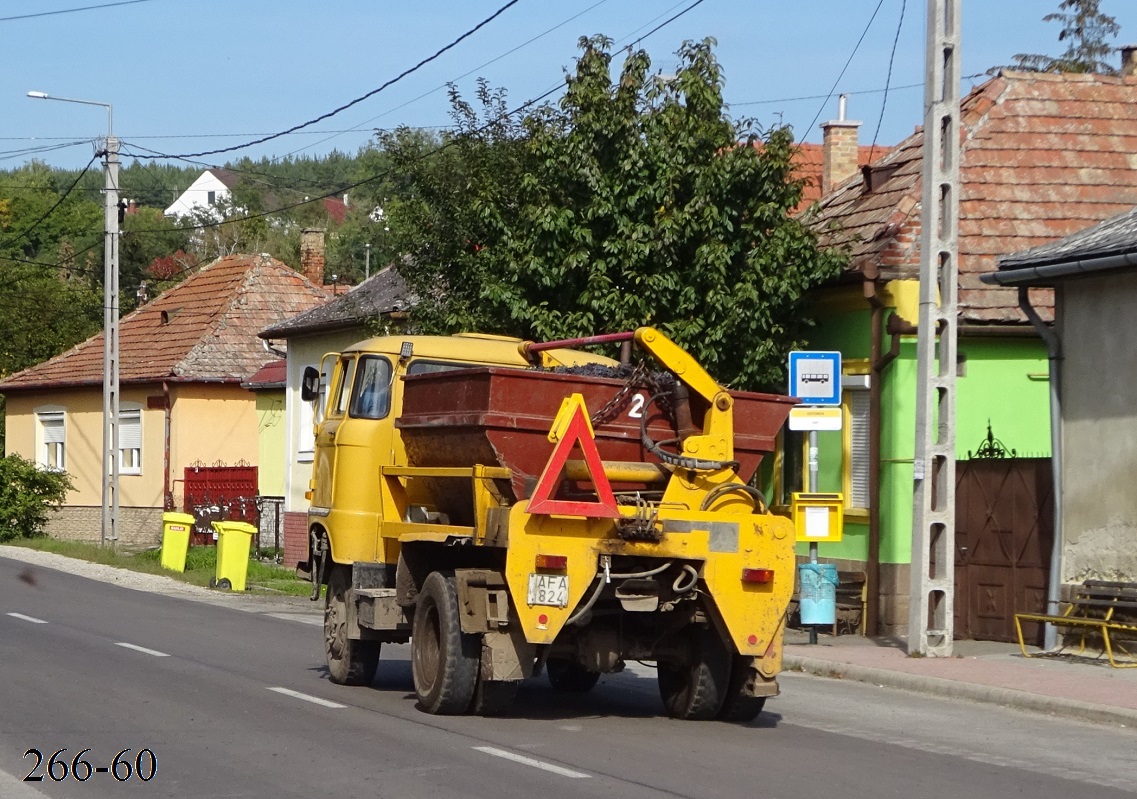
[1004, 529]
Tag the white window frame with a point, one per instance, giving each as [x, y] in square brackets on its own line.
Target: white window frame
[306, 425]
[51, 438]
[130, 438]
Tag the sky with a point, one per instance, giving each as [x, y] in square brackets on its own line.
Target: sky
[186, 77]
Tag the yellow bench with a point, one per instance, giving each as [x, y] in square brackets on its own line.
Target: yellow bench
[1103, 606]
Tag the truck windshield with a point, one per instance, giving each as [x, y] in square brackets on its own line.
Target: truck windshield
[371, 394]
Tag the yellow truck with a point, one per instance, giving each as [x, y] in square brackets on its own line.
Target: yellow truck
[511, 508]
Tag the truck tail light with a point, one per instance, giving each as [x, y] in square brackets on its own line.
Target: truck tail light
[757, 575]
[552, 562]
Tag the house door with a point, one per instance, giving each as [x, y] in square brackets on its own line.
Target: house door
[1004, 530]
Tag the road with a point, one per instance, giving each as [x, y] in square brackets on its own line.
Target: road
[237, 704]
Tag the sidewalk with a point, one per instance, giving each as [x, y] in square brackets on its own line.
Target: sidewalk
[1085, 688]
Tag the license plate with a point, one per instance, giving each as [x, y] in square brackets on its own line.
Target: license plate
[548, 589]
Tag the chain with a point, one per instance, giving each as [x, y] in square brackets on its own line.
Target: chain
[637, 379]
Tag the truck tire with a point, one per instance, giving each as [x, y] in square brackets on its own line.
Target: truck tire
[696, 690]
[740, 706]
[349, 662]
[444, 660]
[570, 677]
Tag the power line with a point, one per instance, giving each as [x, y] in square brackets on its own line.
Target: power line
[72, 10]
[668, 22]
[856, 47]
[888, 78]
[452, 80]
[369, 94]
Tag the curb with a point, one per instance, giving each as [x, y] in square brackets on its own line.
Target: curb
[1008, 697]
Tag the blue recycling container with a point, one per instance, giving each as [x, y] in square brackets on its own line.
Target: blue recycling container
[818, 595]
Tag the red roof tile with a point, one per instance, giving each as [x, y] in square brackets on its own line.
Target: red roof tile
[1042, 156]
[202, 330]
[808, 161]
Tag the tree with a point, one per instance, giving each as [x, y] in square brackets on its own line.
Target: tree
[27, 493]
[634, 202]
[1085, 30]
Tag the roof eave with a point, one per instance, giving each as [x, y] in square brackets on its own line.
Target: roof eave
[1047, 274]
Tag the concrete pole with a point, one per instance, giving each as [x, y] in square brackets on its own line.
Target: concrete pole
[110, 346]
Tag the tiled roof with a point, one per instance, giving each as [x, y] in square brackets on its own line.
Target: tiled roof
[273, 374]
[384, 292]
[809, 160]
[1116, 236]
[1042, 156]
[204, 329]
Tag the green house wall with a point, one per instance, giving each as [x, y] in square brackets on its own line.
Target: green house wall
[1002, 381]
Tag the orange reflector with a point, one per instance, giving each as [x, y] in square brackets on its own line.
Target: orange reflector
[757, 575]
[554, 562]
[308, 495]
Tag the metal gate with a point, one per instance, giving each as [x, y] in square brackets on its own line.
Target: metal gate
[217, 493]
[1004, 531]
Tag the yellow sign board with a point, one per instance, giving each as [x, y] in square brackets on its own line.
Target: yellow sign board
[818, 518]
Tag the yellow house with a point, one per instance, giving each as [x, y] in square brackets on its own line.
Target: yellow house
[182, 361]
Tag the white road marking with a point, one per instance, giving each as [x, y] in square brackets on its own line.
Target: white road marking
[528, 761]
[32, 619]
[142, 649]
[303, 618]
[315, 700]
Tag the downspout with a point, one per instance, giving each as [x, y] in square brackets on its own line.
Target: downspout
[166, 489]
[1054, 354]
[879, 362]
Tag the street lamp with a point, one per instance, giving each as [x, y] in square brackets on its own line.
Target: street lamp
[110, 322]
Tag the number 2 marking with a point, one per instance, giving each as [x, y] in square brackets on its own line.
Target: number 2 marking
[637, 409]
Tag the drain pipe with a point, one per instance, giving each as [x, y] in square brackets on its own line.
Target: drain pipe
[1054, 354]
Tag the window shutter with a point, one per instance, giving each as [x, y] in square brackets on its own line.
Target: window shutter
[130, 429]
[858, 448]
[52, 428]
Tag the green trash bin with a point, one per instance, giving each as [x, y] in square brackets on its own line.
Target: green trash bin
[176, 529]
[234, 540]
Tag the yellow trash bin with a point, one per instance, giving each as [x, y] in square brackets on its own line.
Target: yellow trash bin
[176, 528]
[233, 542]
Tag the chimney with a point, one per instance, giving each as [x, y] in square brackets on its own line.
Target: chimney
[312, 255]
[1128, 60]
[839, 150]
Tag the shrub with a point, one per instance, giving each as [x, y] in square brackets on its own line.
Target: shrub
[27, 493]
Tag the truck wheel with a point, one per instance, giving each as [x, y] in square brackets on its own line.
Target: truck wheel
[349, 662]
[740, 706]
[695, 690]
[570, 677]
[444, 660]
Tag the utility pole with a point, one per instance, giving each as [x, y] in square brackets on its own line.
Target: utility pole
[367, 267]
[110, 321]
[110, 346]
[932, 594]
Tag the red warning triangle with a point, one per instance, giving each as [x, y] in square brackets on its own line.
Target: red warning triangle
[576, 433]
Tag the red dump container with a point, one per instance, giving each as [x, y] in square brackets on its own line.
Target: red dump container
[497, 415]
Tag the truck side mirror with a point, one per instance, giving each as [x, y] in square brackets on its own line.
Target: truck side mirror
[310, 384]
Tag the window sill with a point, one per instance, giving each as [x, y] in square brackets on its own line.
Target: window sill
[856, 514]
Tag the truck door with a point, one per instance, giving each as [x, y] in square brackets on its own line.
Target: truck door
[324, 468]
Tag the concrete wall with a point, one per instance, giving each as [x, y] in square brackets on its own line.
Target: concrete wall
[139, 528]
[271, 445]
[1099, 427]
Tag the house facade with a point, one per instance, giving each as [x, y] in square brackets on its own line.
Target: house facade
[213, 186]
[1093, 275]
[1041, 156]
[183, 358]
[376, 306]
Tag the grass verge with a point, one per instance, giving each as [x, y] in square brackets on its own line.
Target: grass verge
[201, 565]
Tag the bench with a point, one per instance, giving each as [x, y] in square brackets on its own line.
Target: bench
[1098, 606]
